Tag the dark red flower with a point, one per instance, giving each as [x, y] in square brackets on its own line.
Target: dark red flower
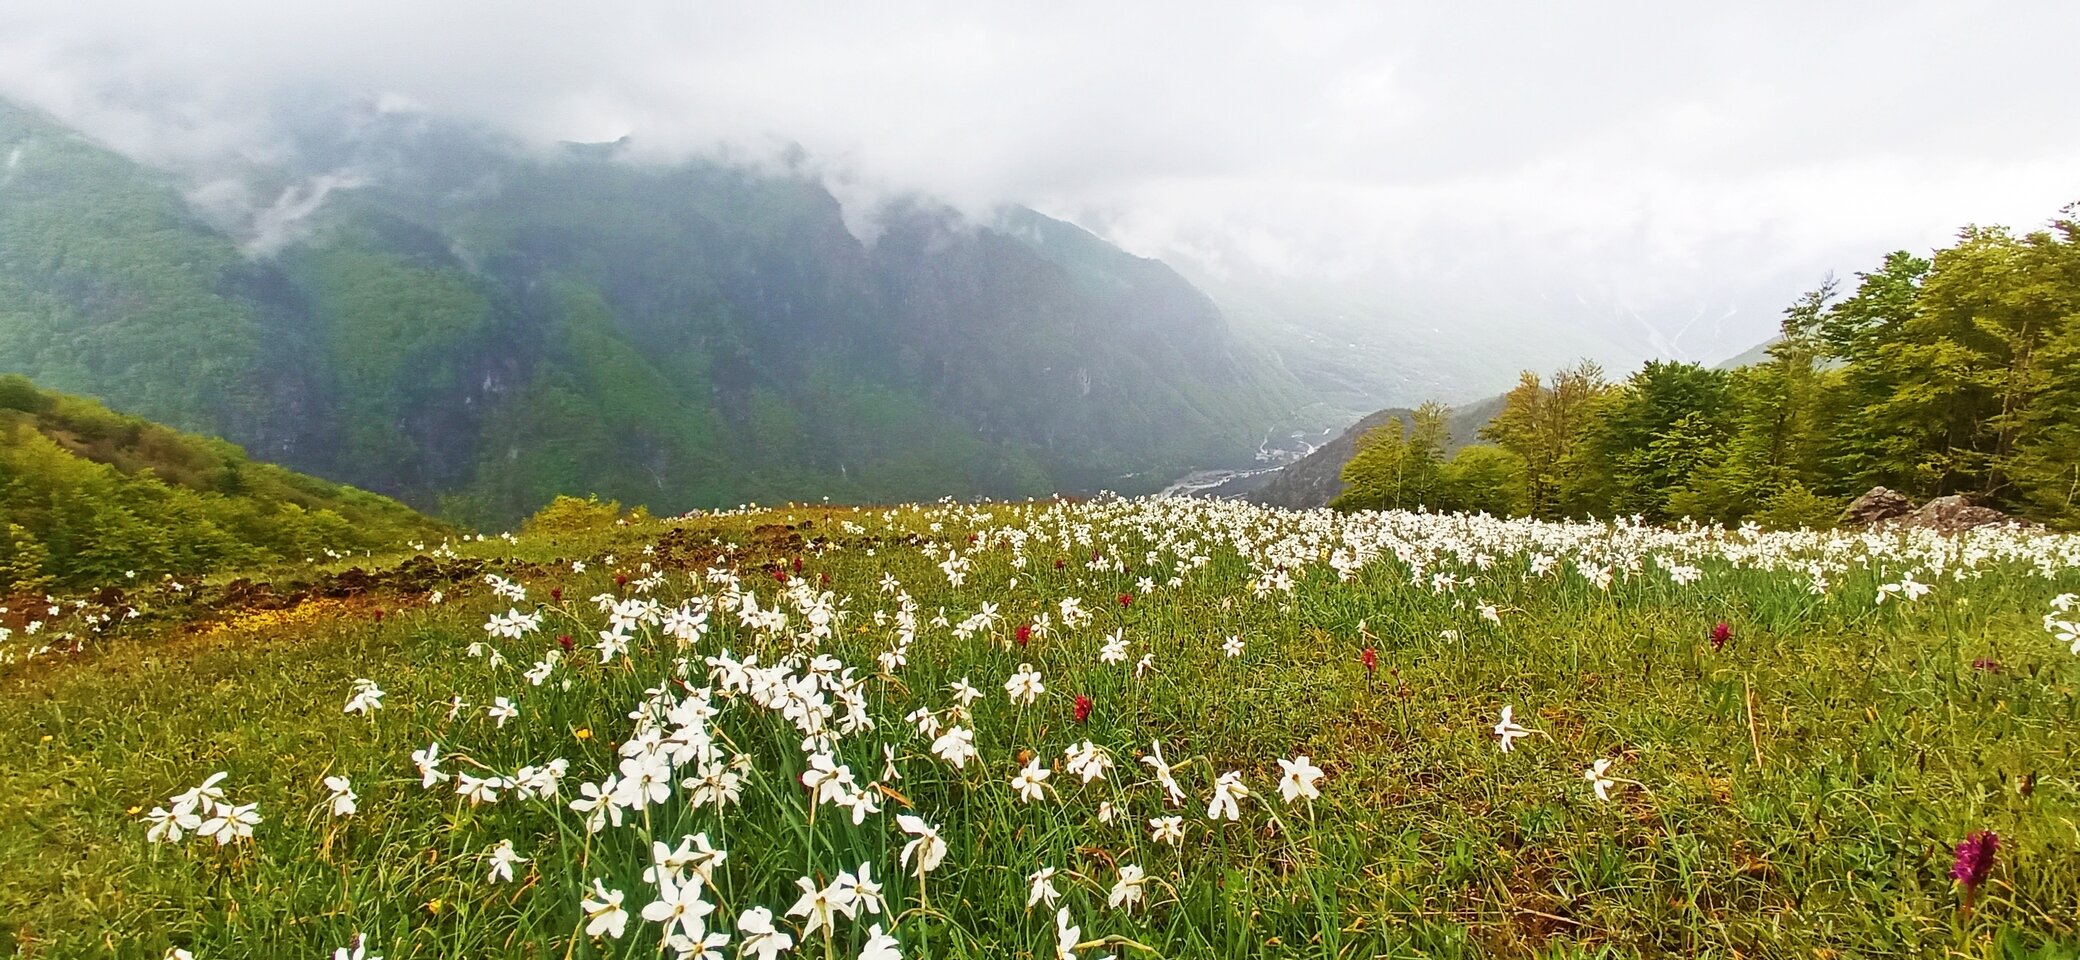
[1126, 600]
[564, 640]
[1083, 708]
[379, 616]
[1060, 563]
[1975, 858]
[556, 594]
[621, 579]
[779, 576]
[1370, 658]
[823, 579]
[1024, 633]
[797, 564]
[1988, 665]
[1720, 634]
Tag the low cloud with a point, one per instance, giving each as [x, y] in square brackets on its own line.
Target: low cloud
[1683, 166]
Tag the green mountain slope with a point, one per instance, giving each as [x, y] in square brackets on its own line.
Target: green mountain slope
[88, 496]
[475, 327]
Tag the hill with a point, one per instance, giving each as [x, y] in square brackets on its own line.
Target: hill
[1314, 480]
[473, 326]
[88, 496]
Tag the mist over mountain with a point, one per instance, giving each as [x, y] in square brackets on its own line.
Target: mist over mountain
[423, 308]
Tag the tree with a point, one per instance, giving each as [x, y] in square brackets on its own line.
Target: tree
[1543, 425]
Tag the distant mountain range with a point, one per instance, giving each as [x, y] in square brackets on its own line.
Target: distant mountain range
[428, 311]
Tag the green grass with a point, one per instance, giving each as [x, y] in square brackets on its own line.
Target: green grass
[1794, 794]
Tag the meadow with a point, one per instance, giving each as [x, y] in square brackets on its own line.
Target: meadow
[1128, 728]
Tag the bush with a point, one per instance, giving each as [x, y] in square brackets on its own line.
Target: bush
[567, 514]
[1795, 506]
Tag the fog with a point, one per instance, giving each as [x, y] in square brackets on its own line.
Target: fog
[1661, 177]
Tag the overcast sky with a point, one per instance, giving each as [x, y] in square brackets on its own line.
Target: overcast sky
[1626, 154]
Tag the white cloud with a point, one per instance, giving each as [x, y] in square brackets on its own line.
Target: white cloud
[1646, 157]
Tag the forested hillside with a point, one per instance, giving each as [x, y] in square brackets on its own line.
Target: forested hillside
[474, 327]
[92, 497]
[1952, 374]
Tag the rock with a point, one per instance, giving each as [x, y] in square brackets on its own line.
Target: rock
[1877, 506]
[1954, 514]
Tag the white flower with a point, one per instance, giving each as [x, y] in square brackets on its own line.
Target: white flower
[819, 906]
[366, 698]
[603, 913]
[1043, 888]
[1024, 687]
[230, 823]
[1596, 778]
[478, 791]
[501, 710]
[1154, 760]
[963, 693]
[1168, 830]
[358, 952]
[1086, 760]
[861, 889]
[1031, 781]
[1299, 779]
[927, 850]
[1066, 936]
[1115, 648]
[679, 905]
[343, 799]
[1127, 891]
[1508, 731]
[758, 937]
[428, 761]
[1233, 646]
[1226, 791]
[502, 859]
[956, 746]
[880, 946]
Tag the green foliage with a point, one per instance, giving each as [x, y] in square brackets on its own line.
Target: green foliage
[89, 496]
[1958, 373]
[567, 514]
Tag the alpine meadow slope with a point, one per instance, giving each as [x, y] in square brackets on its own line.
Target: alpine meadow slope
[425, 310]
[89, 497]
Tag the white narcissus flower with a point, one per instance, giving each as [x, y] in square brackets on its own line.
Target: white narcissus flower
[343, 798]
[1031, 782]
[1508, 730]
[503, 857]
[1154, 760]
[501, 710]
[428, 761]
[1086, 760]
[1299, 779]
[1043, 890]
[230, 823]
[956, 746]
[1232, 647]
[880, 946]
[924, 853]
[757, 936]
[1226, 790]
[819, 906]
[359, 951]
[1126, 892]
[679, 907]
[1596, 778]
[1024, 687]
[1168, 830]
[603, 913]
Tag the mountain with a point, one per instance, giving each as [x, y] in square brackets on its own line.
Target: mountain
[473, 326]
[1314, 480]
[88, 496]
